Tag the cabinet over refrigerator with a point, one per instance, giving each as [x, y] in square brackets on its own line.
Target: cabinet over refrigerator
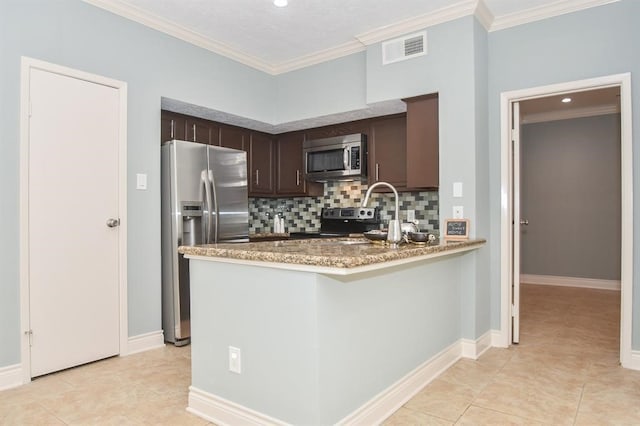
[204, 201]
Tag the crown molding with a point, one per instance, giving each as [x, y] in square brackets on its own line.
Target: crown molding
[560, 7]
[484, 15]
[570, 114]
[449, 13]
[160, 24]
[478, 8]
[319, 57]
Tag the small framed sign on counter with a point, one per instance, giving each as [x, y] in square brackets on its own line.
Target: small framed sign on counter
[456, 229]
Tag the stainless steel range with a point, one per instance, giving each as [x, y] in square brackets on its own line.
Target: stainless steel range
[342, 221]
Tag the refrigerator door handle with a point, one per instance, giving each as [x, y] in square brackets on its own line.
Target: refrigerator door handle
[208, 205]
[214, 207]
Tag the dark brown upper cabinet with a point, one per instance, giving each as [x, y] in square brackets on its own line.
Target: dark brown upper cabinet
[289, 167]
[202, 131]
[423, 142]
[172, 126]
[261, 164]
[234, 137]
[351, 127]
[388, 151]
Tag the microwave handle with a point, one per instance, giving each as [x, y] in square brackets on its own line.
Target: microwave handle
[347, 159]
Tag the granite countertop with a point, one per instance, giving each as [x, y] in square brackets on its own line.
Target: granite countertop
[335, 255]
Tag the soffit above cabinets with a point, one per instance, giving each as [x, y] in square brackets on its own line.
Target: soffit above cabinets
[277, 40]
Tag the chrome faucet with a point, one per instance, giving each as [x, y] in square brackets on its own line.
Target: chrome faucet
[394, 234]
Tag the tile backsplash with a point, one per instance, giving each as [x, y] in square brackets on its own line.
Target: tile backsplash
[303, 213]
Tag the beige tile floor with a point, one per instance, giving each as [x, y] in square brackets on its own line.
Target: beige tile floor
[564, 371]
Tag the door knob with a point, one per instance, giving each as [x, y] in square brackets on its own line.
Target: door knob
[524, 222]
[112, 223]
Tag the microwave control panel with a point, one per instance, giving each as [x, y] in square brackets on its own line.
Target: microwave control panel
[355, 158]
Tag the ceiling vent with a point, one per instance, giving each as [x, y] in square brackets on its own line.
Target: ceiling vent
[403, 48]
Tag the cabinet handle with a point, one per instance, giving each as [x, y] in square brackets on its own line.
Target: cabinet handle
[194, 132]
[297, 177]
[172, 124]
[377, 172]
[257, 177]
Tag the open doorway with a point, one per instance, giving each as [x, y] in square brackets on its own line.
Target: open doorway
[570, 210]
[511, 220]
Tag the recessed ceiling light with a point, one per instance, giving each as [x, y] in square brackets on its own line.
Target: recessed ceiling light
[280, 3]
[566, 100]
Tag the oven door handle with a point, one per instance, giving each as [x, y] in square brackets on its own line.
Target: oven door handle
[347, 158]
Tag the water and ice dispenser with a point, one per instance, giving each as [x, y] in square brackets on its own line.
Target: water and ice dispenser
[192, 229]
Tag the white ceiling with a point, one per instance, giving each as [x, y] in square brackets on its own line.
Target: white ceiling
[278, 40]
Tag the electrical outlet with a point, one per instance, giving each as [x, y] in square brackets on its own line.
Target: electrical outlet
[457, 212]
[411, 215]
[235, 360]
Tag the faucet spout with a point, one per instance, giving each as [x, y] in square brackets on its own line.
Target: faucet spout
[394, 235]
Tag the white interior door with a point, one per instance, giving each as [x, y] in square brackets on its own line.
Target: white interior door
[515, 185]
[72, 193]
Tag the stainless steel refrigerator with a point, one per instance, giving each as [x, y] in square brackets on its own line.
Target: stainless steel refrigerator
[204, 201]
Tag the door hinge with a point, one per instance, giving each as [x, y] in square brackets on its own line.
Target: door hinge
[30, 334]
[514, 310]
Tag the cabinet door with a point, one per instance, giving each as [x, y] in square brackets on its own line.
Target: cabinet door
[234, 137]
[289, 167]
[388, 151]
[422, 142]
[261, 155]
[359, 126]
[289, 164]
[202, 131]
[172, 126]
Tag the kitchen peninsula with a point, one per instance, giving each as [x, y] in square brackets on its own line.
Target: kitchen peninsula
[327, 331]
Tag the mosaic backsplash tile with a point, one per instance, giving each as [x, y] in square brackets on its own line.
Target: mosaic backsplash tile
[302, 214]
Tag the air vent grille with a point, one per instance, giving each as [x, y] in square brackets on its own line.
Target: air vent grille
[403, 48]
[413, 46]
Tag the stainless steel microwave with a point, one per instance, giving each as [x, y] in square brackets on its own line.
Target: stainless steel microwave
[336, 158]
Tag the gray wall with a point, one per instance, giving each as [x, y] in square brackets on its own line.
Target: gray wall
[75, 34]
[585, 44]
[570, 193]
[305, 335]
[591, 43]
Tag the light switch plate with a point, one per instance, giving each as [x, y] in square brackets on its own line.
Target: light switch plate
[235, 360]
[458, 212]
[411, 215]
[141, 181]
[457, 189]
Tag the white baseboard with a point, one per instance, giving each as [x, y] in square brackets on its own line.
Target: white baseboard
[391, 399]
[570, 282]
[635, 360]
[10, 377]
[474, 348]
[224, 412]
[144, 342]
[498, 339]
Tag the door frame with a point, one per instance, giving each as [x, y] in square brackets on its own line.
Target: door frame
[506, 196]
[27, 64]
